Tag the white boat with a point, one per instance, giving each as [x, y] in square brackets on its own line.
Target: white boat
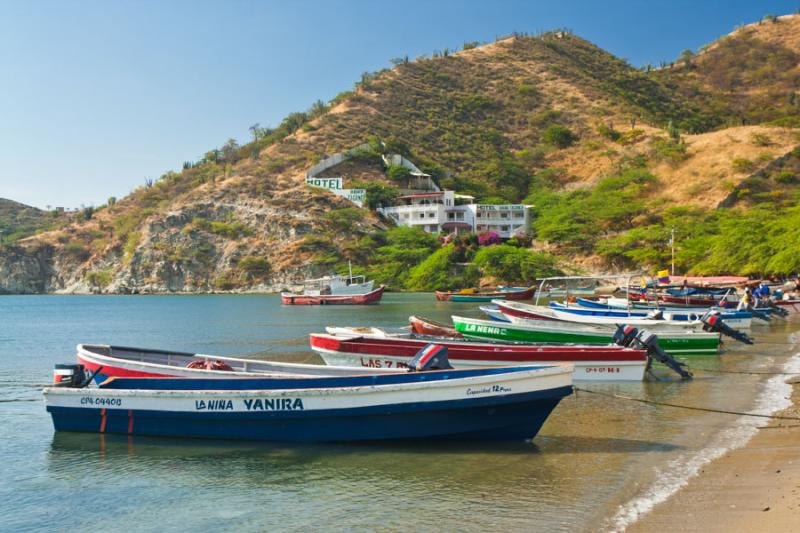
[509, 403]
[121, 361]
[549, 313]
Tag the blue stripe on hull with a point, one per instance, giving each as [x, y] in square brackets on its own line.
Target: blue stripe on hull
[513, 417]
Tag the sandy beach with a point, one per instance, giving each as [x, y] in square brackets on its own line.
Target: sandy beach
[753, 488]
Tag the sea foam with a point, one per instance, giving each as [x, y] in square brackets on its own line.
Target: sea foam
[775, 397]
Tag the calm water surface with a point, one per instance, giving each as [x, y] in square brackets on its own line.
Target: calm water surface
[593, 455]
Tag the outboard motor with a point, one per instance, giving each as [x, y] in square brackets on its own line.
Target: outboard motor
[430, 357]
[712, 322]
[649, 341]
[625, 335]
[70, 375]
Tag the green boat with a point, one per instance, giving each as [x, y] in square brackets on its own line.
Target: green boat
[673, 342]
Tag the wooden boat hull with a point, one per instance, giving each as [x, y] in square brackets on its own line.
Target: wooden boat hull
[426, 326]
[475, 404]
[371, 297]
[525, 294]
[793, 306]
[674, 343]
[594, 363]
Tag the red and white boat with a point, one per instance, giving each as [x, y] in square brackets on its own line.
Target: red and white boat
[372, 350]
[426, 326]
[371, 297]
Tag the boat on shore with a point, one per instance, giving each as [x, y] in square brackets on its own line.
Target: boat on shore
[502, 403]
[426, 326]
[595, 363]
[735, 319]
[105, 361]
[673, 342]
[486, 295]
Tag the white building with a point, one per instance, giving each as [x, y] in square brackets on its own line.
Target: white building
[446, 211]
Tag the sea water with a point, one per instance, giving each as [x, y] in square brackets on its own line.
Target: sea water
[598, 464]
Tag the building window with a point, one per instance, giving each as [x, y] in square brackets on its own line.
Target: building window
[504, 228]
[479, 215]
[503, 215]
[450, 216]
[519, 214]
[459, 216]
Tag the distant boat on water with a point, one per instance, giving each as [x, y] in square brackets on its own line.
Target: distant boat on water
[335, 290]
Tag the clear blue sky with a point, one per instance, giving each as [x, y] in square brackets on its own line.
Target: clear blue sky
[96, 96]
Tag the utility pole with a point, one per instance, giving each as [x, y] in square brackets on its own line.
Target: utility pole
[672, 247]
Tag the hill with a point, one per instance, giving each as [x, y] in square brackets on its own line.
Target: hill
[610, 155]
[18, 220]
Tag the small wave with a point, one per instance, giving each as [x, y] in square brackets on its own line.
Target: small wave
[775, 397]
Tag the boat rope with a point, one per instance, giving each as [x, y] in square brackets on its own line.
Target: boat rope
[689, 407]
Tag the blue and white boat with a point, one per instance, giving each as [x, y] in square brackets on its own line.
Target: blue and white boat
[494, 313]
[735, 319]
[501, 403]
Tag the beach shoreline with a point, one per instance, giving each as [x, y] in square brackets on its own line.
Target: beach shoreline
[755, 487]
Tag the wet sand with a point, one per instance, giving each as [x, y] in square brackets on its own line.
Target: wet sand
[753, 488]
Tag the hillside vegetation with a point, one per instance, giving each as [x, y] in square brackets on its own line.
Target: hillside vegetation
[612, 157]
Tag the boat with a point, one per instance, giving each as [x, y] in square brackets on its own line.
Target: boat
[426, 326]
[371, 297]
[736, 319]
[733, 318]
[486, 295]
[105, 361]
[673, 342]
[792, 306]
[595, 363]
[501, 403]
[522, 313]
[494, 313]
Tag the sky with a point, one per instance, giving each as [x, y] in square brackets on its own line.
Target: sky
[97, 96]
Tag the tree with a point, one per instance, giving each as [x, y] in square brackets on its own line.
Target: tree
[559, 136]
[380, 195]
[255, 131]
[397, 173]
[229, 150]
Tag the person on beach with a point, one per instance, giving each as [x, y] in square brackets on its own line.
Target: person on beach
[746, 301]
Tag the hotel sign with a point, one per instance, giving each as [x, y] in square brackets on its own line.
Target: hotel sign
[326, 183]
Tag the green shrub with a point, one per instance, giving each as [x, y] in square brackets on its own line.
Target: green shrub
[559, 136]
[76, 250]
[668, 150]
[345, 219]
[254, 265]
[786, 177]
[398, 173]
[742, 164]
[760, 139]
[608, 132]
[231, 230]
[99, 279]
[514, 265]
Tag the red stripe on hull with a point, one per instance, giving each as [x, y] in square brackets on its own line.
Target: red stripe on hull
[115, 371]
